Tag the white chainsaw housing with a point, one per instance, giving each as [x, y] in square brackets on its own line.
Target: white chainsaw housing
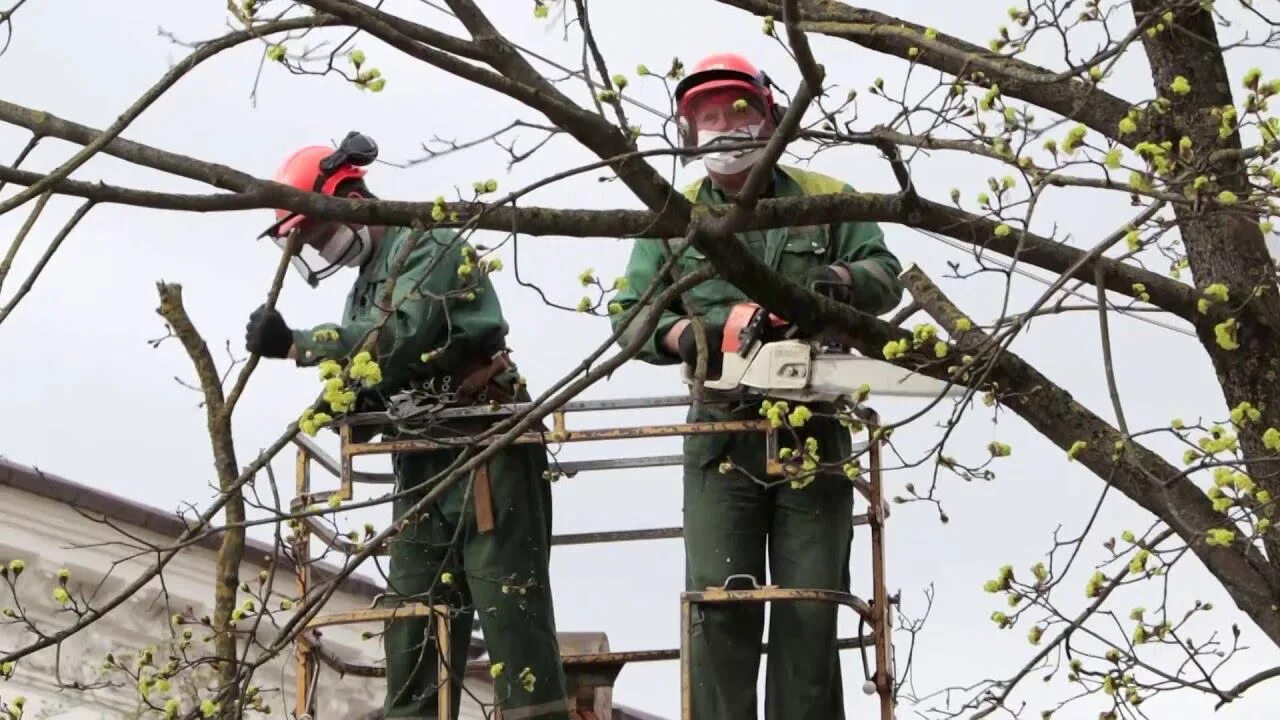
[791, 370]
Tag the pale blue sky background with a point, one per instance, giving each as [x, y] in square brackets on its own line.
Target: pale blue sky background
[87, 398]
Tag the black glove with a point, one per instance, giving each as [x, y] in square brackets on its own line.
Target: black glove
[267, 334]
[688, 344]
[824, 280]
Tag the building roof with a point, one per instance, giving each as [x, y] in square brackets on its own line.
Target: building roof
[120, 509]
[123, 510]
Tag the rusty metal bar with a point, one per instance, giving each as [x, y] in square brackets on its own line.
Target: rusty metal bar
[637, 403]
[332, 466]
[351, 449]
[720, 596]
[303, 698]
[440, 612]
[574, 661]
[573, 467]
[686, 657]
[635, 656]
[444, 678]
[589, 538]
[881, 620]
[344, 484]
[376, 614]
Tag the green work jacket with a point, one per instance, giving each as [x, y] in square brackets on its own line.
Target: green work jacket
[454, 320]
[792, 251]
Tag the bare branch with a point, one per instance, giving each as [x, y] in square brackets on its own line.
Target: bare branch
[150, 96]
[7, 262]
[1071, 98]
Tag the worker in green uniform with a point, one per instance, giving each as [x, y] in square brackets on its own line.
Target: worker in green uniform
[485, 552]
[730, 518]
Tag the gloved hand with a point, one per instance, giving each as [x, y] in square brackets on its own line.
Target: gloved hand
[688, 345]
[824, 280]
[267, 334]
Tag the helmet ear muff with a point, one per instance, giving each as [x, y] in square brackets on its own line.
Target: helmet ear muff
[355, 150]
[687, 140]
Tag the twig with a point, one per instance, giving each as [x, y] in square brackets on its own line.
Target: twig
[151, 95]
[809, 68]
[7, 262]
[26, 150]
[1107, 364]
[54, 244]
[277, 282]
[1103, 593]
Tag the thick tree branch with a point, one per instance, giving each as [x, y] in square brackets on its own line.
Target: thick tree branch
[44, 124]
[206, 51]
[231, 552]
[1222, 245]
[1069, 97]
[1041, 252]
[1176, 500]
[595, 133]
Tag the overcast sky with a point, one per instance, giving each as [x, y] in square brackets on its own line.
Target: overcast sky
[86, 397]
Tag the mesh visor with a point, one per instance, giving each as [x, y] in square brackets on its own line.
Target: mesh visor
[308, 262]
[688, 127]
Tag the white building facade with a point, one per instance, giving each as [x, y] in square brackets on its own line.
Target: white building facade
[51, 524]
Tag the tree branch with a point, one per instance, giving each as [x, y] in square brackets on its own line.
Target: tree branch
[7, 262]
[605, 140]
[231, 552]
[54, 244]
[154, 93]
[769, 213]
[1069, 97]
[1057, 416]
[809, 68]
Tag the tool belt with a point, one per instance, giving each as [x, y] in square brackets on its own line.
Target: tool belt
[477, 385]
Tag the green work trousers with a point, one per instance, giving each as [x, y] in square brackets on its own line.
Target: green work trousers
[501, 575]
[729, 522]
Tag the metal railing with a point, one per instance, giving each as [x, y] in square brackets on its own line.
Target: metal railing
[584, 672]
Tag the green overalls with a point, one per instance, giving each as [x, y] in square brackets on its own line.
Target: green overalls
[501, 574]
[731, 521]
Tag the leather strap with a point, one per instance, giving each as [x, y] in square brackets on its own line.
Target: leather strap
[477, 380]
[484, 499]
[477, 386]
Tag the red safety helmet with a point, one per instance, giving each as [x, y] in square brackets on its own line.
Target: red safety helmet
[717, 71]
[317, 168]
[724, 70]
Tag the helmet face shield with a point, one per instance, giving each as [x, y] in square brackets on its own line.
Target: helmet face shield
[725, 98]
[321, 169]
[722, 116]
[308, 263]
[306, 260]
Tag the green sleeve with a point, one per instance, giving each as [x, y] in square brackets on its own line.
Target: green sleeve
[642, 270]
[873, 269]
[432, 310]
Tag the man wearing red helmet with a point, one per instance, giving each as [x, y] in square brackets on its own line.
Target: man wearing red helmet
[730, 519]
[487, 549]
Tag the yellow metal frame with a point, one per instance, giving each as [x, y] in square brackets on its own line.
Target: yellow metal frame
[308, 667]
[596, 669]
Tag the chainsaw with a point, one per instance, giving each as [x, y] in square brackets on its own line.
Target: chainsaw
[763, 357]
